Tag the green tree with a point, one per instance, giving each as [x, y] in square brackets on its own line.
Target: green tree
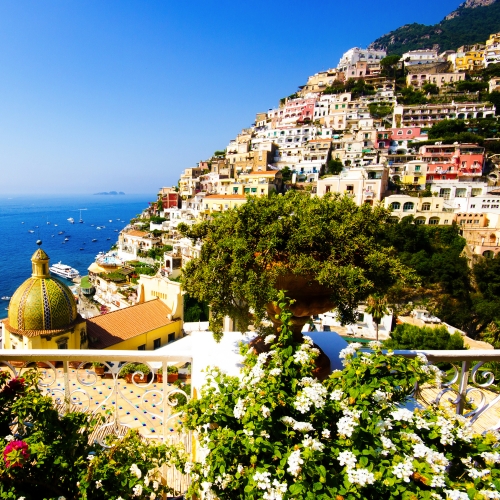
[286, 174]
[430, 88]
[327, 244]
[411, 96]
[376, 305]
[470, 86]
[334, 166]
[389, 65]
[408, 336]
[494, 98]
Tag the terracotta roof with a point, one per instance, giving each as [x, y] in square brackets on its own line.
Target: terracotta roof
[109, 329]
[134, 232]
[262, 172]
[226, 197]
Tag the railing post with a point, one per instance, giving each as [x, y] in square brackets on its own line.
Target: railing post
[462, 388]
[164, 366]
[67, 395]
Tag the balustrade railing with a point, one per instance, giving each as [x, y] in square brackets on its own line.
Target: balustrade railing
[469, 388]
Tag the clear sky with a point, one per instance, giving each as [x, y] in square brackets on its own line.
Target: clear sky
[100, 95]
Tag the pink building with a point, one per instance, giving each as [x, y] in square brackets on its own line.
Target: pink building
[295, 111]
[405, 133]
[453, 161]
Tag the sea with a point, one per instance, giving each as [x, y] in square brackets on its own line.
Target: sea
[47, 216]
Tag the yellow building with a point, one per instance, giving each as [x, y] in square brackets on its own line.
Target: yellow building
[42, 313]
[160, 287]
[143, 327]
[222, 202]
[469, 58]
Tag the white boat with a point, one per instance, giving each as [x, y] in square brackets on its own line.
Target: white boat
[110, 220]
[6, 297]
[71, 220]
[64, 271]
[30, 231]
[98, 227]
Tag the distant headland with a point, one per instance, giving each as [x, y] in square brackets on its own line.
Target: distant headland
[109, 192]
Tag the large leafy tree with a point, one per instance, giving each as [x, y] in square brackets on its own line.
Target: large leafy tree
[408, 336]
[288, 241]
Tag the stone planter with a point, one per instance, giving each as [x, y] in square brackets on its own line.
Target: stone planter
[310, 298]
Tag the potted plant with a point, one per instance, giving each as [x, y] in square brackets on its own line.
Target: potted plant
[172, 373]
[159, 375]
[98, 368]
[187, 374]
[130, 368]
[324, 252]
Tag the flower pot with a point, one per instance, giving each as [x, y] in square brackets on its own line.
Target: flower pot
[172, 377]
[45, 364]
[159, 377]
[137, 379]
[310, 298]
[99, 370]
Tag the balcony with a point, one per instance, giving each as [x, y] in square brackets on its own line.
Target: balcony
[148, 406]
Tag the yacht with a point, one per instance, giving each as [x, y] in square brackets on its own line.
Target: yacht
[30, 231]
[94, 240]
[66, 239]
[70, 219]
[60, 232]
[64, 271]
[6, 297]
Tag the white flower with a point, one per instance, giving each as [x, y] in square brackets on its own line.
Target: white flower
[404, 470]
[269, 339]
[277, 492]
[365, 359]
[387, 444]
[325, 433]
[337, 395]
[360, 476]
[247, 432]
[263, 481]
[307, 340]
[239, 469]
[10, 437]
[98, 484]
[438, 481]
[312, 443]
[402, 414]
[490, 494]
[491, 458]
[347, 458]
[156, 483]
[313, 393]
[374, 344]
[152, 496]
[476, 474]
[60, 498]
[294, 463]
[347, 423]
[275, 372]
[265, 411]
[301, 357]
[265, 434]
[90, 457]
[456, 495]
[297, 426]
[239, 409]
[188, 467]
[379, 396]
[136, 471]
[137, 489]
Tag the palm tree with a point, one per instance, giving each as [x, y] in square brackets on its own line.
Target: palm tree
[377, 307]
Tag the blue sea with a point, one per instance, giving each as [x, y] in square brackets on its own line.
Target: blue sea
[20, 214]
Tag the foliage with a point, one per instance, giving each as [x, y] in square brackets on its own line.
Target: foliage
[278, 433]
[470, 86]
[220, 152]
[195, 310]
[172, 369]
[408, 336]
[130, 368]
[390, 67]
[157, 252]
[286, 174]
[380, 110]
[494, 98]
[334, 167]
[430, 88]
[291, 96]
[471, 26]
[115, 276]
[472, 130]
[50, 455]
[357, 88]
[411, 96]
[157, 220]
[329, 240]
[490, 72]
[376, 305]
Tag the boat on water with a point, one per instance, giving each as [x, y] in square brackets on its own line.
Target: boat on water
[30, 231]
[116, 230]
[110, 220]
[66, 239]
[98, 227]
[94, 240]
[22, 222]
[55, 225]
[60, 232]
[91, 225]
[6, 297]
[108, 238]
[70, 219]
[64, 271]
[81, 220]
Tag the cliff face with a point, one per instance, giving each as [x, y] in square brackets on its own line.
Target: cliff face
[472, 22]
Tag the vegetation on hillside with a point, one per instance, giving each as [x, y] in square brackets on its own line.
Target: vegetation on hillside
[469, 27]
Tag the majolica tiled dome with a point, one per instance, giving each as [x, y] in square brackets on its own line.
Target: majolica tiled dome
[42, 304]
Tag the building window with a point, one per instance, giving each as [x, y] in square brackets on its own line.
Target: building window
[395, 205]
[408, 206]
[62, 343]
[156, 343]
[171, 337]
[433, 221]
[142, 347]
[417, 168]
[426, 206]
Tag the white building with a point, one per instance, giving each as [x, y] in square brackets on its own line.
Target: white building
[357, 62]
[422, 56]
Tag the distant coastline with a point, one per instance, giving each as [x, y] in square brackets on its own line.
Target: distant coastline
[109, 193]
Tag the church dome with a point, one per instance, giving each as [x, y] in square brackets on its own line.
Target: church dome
[42, 304]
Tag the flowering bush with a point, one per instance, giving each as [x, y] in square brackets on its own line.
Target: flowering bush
[278, 433]
[48, 455]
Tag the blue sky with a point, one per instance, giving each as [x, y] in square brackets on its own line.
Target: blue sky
[99, 95]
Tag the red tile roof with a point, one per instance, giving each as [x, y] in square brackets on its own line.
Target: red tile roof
[109, 329]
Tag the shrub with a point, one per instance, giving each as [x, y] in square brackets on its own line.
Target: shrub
[279, 433]
[134, 367]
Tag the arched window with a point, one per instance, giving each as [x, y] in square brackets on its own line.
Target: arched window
[426, 206]
[408, 206]
[395, 205]
[420, 220]
[434, 221]
[488, 254]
